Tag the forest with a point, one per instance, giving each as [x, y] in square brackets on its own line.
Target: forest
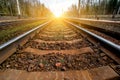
[34, 8]
[95, 7]
[28, 8]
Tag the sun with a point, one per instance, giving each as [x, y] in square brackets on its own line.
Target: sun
[57, 14]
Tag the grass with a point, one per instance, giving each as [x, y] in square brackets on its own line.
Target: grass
[6, 35]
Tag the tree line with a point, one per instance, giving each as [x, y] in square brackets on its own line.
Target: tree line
[28, 8]
[95, 7]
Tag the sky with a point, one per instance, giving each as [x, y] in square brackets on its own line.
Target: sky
[58, 6]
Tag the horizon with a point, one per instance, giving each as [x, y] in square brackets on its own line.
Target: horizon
[58, 6]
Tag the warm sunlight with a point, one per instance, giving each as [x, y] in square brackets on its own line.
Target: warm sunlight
[57, 14]
[55, 39]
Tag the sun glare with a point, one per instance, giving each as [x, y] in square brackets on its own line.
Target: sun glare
[58, 14]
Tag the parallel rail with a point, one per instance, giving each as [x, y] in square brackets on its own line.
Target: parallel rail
[11, 46]
[110, 26]
[8, 48]
[110, 46]
[93, 20]
[16, 20]
[113, 45]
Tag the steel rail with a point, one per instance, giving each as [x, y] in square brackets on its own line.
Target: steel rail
[21, 36]
[16, 20]
[94, 20]
[111, 44]
[8, 48]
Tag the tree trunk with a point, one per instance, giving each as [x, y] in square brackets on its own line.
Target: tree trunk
[79, 8]
[118, 12]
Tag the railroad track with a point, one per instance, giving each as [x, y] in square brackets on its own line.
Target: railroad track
[58, 50]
